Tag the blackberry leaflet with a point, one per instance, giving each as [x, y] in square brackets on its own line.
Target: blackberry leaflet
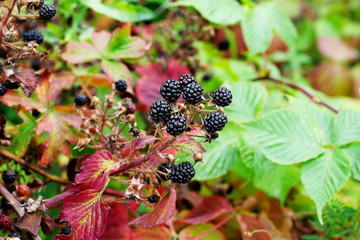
[9, 176]
[186, 79]
[3, 89]
[47, 12]
[215, 121]
[182, 173]
[192, 93]
[33, 35]
[81, 100]
[176, 124]
[222, 97]
[171, 90]
[160, 110]
[121, 85]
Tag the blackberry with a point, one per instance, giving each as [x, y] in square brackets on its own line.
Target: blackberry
[41, 3]
[215, 121]
[5, 222]
[223, 45]
[5, 205]
[35, 112]
[121, 85]
[3, 89]
[81, 99]
[9, 176]
[214, 135]
[222, 97]
[176, 124]
[182, 173]
[162, 170]
[153, 198]
[11, 85]
[47, 12]
[33, 35]
[1, 68]
[160, 110]
[192, 93]
[171, 90]
[186, 79]
[207, 76]
[15, 235]
[66, 230]
[35, 64]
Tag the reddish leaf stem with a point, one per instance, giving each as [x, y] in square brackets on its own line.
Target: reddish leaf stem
[292, 85]
[34, 168]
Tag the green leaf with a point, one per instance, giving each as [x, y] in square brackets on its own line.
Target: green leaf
[347, 128]
[281, 23]
[23, 135]
[193, 231]
[120, 10]
[288, 137]
[248, 100]
[117, 70]
[353, 152]
[80, 52]
[217, 163]
[278, 183]
[252, 156]
[223, 12]
[257, 30]
[324, 176]
[122, 45]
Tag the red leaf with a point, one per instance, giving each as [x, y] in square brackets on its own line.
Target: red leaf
[152, 77]
[95, 170]
[131, 147]
[194, 231]
[162, 212]
[150, 234]
[208, 210]
[133, 206]
[96, 80]
[336, 49]
[58, 83]
[87, 214]
[189, 142]
[27, 80]
[16, 98]
[117, 227]
[248, 225]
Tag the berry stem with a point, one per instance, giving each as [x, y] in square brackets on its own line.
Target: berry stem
[34, 168]
[292, 85]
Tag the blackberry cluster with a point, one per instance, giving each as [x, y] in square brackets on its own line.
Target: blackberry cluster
[3, 89]
[33, 35]
[186, 79]
[222, 97]
[192, 93]
[160, 110]
[9, 176]
[215, 121]
[154, 198]
[171, 90]
[182, 173]
[121, 85]
[81, 100]
[47, 12]
[176, 125]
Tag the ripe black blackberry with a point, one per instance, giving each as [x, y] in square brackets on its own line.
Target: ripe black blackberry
[33, 35]
[223, 45]
[176, 124]
[163, 172]
[11, 85]
[215, 121]
[153, 198]
[3, 89]
[35, 64]
[1, 68]
[5, 205]
[171, 90]
[81, 100]
[121, 85]
[160, 110]
[15, 235]
[214, 135]
[186, 79]
[47, 12]
[222, 97]
[182, 173]
[9, 176]
[192, 93]
[207, 76]
[66, 230]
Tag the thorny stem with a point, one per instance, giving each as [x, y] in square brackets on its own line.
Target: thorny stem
[225, 220]
[4, 22]
[34, 168]
[292, 85]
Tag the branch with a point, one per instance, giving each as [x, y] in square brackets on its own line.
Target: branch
[34, 168]
[292, 85]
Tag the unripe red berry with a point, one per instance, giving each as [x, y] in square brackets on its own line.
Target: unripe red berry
[5, 222]
[22, 190]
